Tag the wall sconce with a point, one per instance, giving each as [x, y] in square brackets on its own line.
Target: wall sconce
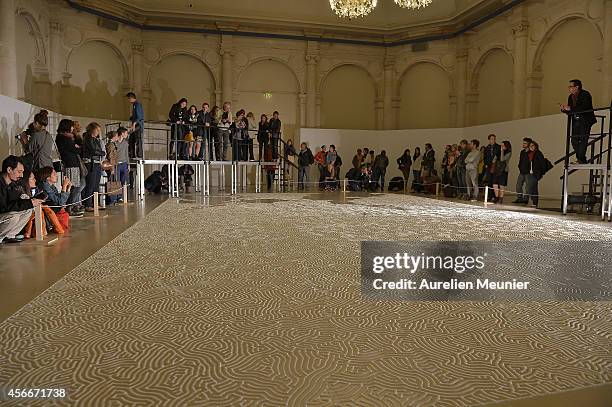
[267, 95]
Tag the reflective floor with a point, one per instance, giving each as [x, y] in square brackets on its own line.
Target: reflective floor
[255, 300]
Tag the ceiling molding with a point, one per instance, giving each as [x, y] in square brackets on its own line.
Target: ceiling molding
[466, 21]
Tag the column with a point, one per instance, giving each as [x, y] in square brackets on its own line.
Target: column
[471, 105]
[312, 61]
[8, 53]
[55, 30]
[137, 69]
[534, 91]
[607, 53]
[226, 51]
[519, 76]
[460, 96]
[388, 86]
[379, 106]
[303, 101]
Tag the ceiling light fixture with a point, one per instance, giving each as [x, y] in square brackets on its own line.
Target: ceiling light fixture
[352, 8]
[413, 4]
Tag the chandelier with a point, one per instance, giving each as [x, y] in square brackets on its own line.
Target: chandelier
[413, 4]
[352, 8]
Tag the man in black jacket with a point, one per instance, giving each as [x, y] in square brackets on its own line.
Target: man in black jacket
[492, 153]
[579, 101]
[15, 211]
[176, 117]
[524, 167]
[429, 160]
[204, 120]
[275, 134]
[381, 162]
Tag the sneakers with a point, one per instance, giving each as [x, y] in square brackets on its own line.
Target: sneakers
[89, 209]
[16, 239]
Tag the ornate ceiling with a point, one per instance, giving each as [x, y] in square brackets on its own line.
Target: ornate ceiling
[386, 22]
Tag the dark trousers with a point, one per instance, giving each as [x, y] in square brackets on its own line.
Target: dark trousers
[580, 138]
[520, 184]
[532, 188]
[270, 178]
[122, 170]
[416, 180]
[92, 183]
[215, 146]
[461, 184]
[237, 149]
[263, 144]
[135, 143]
[275, 145]
[302, 177]
[177, 133]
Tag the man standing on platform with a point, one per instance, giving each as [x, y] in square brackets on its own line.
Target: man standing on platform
[579, 102]
[136, 128]
[275, 132]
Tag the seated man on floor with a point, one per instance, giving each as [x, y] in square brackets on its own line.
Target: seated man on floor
[15, 211]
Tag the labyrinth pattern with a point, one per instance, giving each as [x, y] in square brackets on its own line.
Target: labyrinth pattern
[257, 303]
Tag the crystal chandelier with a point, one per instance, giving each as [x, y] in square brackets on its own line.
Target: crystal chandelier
[414, 4]
[353, 8]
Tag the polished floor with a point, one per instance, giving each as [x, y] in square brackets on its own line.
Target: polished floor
[255, 300]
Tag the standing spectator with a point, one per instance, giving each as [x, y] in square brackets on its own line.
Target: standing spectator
[123, 158]
[404, 163]
[445, 167]
[500, 177]
[321, 159]
[491, 157]
[275, 133]
[136, 143]
[215, 138]
[202, 143]
[93, 155]
[15, 212]
[289, 155]
[357, 160]
[252, 133]
[482, 169]
[176, 117]
[429, 160]
[305, 159]
[381, 162]
[330, 162]
[471, 169]
[41, 144]
[416, 170]
[579, 106]
[113, 157]
[537, 169]
[225, 123]
[70, 154]
[238, 134]
[460, 174]
[263, 135]
[193, 131]
[524, 165]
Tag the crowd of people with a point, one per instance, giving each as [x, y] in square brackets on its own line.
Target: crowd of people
[62, 173]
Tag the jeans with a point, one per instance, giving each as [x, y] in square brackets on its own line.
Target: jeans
[461, 184]
[532, 188]
[471, 179]
[379, 175]
[520, 183]
[92, 183]
[302, 177]
[75, 195]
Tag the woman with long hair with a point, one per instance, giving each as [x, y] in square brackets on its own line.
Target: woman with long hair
[537, 168]
[500, 176]
[192, 134]
[93, 155]
[70, 153]
[263, 135]
[404, 163]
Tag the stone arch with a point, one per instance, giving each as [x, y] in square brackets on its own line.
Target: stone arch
[554, 26]
[341, 64]
[412, 64]
[275, 59]
[434, 87]
[181, 53]
[120, 57]
[475, 72]
[41, 52]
